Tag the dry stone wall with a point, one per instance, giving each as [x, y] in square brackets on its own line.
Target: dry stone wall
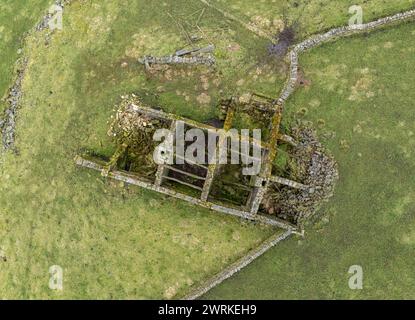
[319, 39]
[238, 266]
[14, 95]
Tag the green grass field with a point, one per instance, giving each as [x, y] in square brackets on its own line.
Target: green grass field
[362, 90]
[311, 16]
[114, 241]
[111, 241]
[16, 18]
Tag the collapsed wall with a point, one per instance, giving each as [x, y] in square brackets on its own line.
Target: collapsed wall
[316, 169]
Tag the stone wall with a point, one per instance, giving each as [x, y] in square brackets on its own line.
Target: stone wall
[333, 34]
[238, 265]
[134, 180]
[14, 95]
[8, 123]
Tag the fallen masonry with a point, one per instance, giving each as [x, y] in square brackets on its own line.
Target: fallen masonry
[319, 173]
[197, 56]
[149, 60]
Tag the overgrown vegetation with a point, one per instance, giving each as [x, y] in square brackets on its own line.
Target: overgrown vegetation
[132, 133]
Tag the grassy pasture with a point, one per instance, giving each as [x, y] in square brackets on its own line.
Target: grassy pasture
[115, 241]
[112, 241]
[311, 16]
[361, 95]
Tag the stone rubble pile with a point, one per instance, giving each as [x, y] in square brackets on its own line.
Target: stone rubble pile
[208, 60]
[297, 206]
[318, 171]
[133, 132]
[131, 127]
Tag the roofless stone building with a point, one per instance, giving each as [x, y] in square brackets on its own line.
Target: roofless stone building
[201, 183]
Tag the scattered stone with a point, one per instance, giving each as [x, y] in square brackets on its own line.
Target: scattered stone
[236, 236]
[316, 169]
[357, 129]
[314, 103]
[208, 60]
[278, 25]
[171, 291]
[302, 112]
